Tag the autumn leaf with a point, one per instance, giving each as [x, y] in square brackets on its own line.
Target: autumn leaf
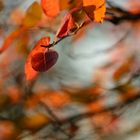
[31, 19]
[50, 7]
[11, 37]
[43, 61]
[95, 9]
[30, 73]
[96, 106]
[56, 99]
[34, 121]
[67, 25]
[33, 15]
[124, 68]
[53, 7]
[7, 130]
[1, 6]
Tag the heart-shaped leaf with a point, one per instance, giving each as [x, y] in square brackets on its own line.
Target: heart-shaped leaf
[43, 61]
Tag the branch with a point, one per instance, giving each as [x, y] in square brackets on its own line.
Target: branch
[118, 15]
[85, 115]
[69, 34]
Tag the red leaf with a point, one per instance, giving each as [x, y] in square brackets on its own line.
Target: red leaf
[67, 25]
[50, 7]
[30, 73]
[43, 61]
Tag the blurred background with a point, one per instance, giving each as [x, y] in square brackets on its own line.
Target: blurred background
[93, 90]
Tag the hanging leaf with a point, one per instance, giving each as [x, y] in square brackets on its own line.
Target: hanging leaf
[30, 73]
[43, 61]
[67, 25]
[95, 9]
[50, 7]
[33, 15]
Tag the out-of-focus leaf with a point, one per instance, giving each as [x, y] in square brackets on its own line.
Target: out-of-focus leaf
[16, 16]
[14, 94]
[1, 6]
[133, 6]
[22, 45]
[129, 92]
[11, 37]
[55, 99]
[7, 130]
[123, 69]
[95, 9]
[43, 61]
[35, 121]
[50, 7]
[30, 73]
[33, 15]
[96, 106]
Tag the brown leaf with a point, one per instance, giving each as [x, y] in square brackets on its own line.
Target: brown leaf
[43, 61]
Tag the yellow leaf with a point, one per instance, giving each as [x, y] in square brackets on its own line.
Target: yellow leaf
[33, 15]
[95, 9]
[100, 13]
[34, 121]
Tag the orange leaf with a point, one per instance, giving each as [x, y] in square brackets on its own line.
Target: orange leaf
[50, 7]
[43, 61]
[9, 39]
[30, 73]
[66, 26]
[123, 69]
[95, 9]
[34, 121]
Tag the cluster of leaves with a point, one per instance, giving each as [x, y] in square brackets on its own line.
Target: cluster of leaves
[38, 110]
[42, 59]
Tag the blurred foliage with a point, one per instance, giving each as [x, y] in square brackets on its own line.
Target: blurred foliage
[29, 111]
